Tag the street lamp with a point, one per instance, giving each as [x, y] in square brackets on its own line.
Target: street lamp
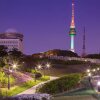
[39, 66]
[14, 66]
[94, 70]
[9, 71]
[43, 67]
[89, 74]
[48, 65]
[88, 70]
[98, 69]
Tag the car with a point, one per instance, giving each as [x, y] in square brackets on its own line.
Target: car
[95, 79]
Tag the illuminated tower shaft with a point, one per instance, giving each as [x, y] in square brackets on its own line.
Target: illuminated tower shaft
[72, 31]
[72, 43]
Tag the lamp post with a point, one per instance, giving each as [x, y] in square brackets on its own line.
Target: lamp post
[88, 70]
[98, 69]
[14, 66]
[89, 75]
[9, 71]
[43, 67]
[9, 78]
[48, 65]
[40, 67]
[94, 70]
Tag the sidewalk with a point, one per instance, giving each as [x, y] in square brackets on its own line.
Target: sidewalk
[32, 90]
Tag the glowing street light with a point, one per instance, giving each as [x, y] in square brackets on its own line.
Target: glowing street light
[48, 65]
[39, 66]
[94, 70]
[88, 70]
[14, 66]
[89, 74]
[43, 67]
[98, 68]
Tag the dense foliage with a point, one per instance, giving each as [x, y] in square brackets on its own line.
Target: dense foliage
[37, 75]
[93, 56]
[64, 83]
[58, 52]
[9, 57]
[4, 80]
[3, 51]
[68, 62]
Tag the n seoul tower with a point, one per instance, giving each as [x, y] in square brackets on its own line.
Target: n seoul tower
[72, 31]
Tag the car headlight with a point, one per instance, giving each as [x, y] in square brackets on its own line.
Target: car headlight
[98, 83]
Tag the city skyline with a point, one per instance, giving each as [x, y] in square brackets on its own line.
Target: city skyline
[45, 23]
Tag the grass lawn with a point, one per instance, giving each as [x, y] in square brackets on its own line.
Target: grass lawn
[20, 88]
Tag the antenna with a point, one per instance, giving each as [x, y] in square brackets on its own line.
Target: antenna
[84, 47]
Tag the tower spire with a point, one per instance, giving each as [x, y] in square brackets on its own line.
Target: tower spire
[72, 22]
[72, 31]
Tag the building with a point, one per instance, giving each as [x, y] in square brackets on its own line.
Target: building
[12, 40]
[72, 31]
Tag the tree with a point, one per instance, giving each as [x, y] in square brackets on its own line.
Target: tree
[3, 54]
[58, 52]
[15, 54]
[28, 63]
[3, 51]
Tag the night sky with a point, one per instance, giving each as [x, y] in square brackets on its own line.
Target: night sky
[45, 23]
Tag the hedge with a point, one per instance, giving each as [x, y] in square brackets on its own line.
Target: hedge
[62, 84]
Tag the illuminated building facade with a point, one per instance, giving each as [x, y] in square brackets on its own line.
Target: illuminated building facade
[12, 40]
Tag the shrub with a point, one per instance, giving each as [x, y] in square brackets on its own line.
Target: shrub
[4, 79]
[37, 75]
[64, 83]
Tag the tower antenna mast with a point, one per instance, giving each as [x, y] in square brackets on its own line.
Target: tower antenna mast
[84, 47]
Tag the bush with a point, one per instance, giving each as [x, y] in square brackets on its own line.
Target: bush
[4, 79]
[37, 75]
[64, 83]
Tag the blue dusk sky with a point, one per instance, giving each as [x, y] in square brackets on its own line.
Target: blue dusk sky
[45, 24]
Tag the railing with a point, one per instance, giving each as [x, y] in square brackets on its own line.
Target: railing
[74, 58]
